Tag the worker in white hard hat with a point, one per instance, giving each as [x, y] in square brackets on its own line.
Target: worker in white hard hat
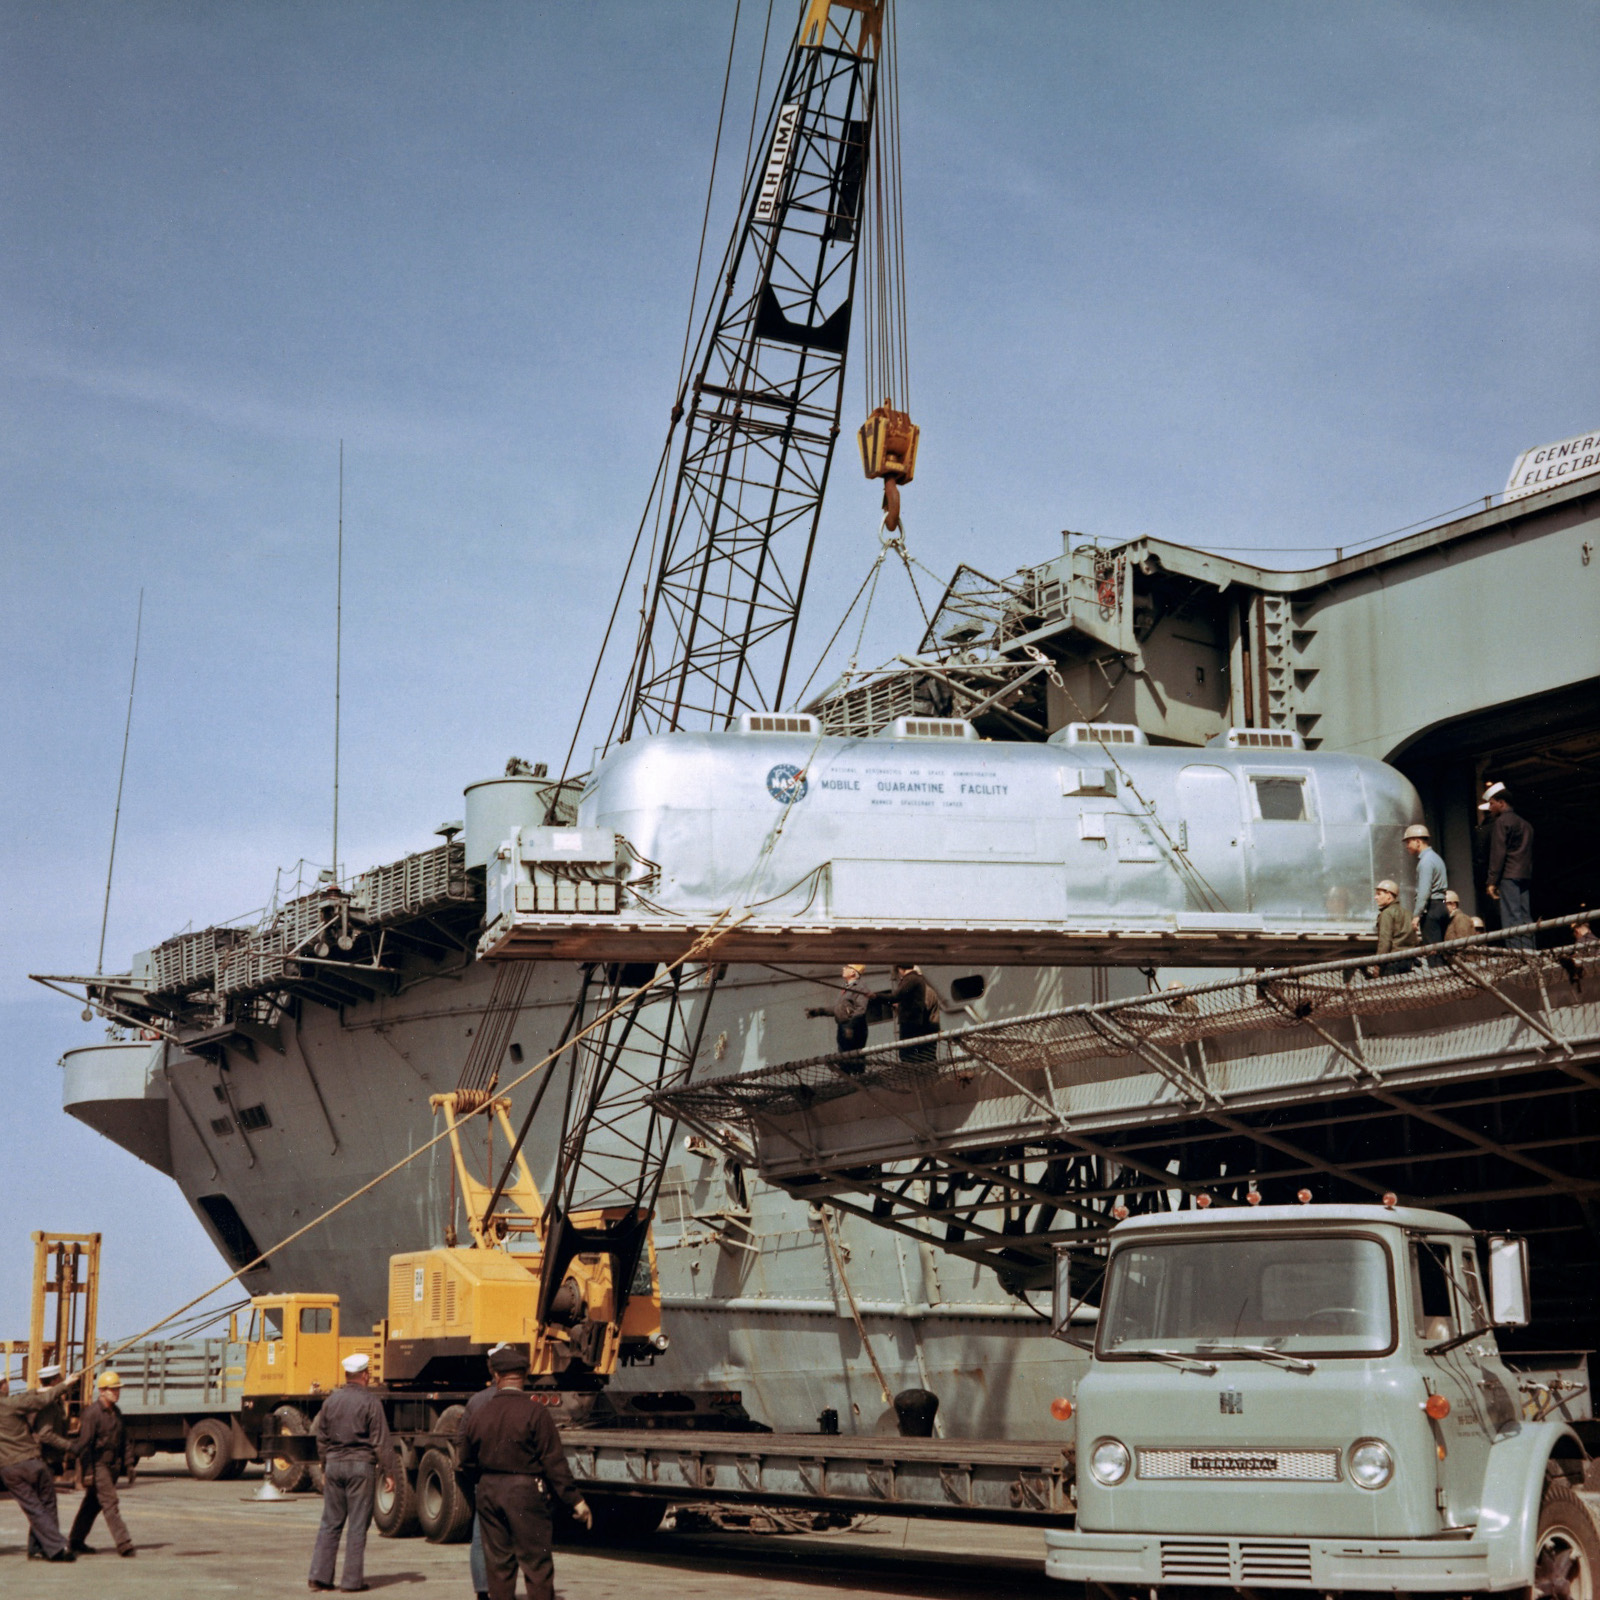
[102, 1452]
[1394, 928]
[23, 1471]
[352, 1435]
[1428, 915]
[1460, 924]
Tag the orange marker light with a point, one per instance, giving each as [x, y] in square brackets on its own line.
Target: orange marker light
[1304, 1197]
[1391, 1200]
[1437, 1407]
[1203, 1201]
[1061, 1409]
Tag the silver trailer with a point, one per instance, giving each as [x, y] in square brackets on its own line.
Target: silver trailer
[1095, 846]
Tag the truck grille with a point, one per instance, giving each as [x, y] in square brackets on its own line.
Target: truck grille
[1269, 1563]
[1279, 1466]
[1197, 1558]
[1281, 1561]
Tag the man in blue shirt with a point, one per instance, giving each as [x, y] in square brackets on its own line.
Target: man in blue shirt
[1429, 915]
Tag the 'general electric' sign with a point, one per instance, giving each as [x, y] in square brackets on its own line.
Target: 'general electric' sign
[1550, 464]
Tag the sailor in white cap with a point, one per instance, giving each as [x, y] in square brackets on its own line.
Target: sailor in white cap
[352, 1438]
[1510, 877]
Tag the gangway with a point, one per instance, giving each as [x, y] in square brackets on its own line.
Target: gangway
[1469, 1084]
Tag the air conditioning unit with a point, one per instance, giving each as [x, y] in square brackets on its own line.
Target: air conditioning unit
[1258, 739]
[929, 728]
[779, 722]
[1099, 733]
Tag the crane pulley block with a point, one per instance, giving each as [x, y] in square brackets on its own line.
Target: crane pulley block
[888, 440]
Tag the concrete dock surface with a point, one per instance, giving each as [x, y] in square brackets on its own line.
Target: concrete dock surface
[197, 1539]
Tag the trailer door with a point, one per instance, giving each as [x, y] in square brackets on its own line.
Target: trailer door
[1212, 840]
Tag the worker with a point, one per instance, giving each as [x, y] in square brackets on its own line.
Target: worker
[916, 1009]
[1428, 914]
[480, 1573]
[1394, 929]
[849, 1012]
[1582, 933]
[1510, 864]
[102, 1451]
[1460, 924]
[23, 1471]
[55, 1446]
[352, 1439]
[511, 1452]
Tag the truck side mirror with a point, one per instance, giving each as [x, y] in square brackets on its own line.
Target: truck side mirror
[1508, 1281]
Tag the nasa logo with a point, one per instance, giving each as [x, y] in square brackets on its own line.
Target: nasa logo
[786, 784]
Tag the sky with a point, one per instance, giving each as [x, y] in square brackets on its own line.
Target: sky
[1253, 276]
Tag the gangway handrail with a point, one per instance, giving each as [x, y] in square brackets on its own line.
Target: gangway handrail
[1147, 1025]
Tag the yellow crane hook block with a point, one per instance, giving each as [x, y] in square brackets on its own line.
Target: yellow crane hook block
[888, 440]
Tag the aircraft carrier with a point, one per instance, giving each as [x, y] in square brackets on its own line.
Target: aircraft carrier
[1116, 763]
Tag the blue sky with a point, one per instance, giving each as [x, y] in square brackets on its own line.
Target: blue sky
[1244, 274]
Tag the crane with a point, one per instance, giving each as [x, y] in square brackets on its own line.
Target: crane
[760, 421]
[761, 414]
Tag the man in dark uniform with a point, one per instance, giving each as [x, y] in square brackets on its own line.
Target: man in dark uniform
[352, 1438]
[511, 1450]
[916, 1009]
[102, 1452]
[1510, 865]
[23, 1472]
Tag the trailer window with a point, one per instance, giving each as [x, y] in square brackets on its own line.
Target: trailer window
[1280, 799]
[1329, 1294]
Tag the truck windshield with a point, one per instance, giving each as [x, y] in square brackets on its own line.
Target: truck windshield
[1323, 1293]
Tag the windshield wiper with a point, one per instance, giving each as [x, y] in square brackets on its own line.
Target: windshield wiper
[1176, 1358]
[1446, 1345]
[1262, 1352]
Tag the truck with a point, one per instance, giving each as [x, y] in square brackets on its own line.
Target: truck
[1313, 1397]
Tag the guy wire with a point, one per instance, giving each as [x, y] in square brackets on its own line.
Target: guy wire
[122, 771]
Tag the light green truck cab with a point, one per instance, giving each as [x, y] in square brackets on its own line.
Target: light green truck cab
[1311, 1397]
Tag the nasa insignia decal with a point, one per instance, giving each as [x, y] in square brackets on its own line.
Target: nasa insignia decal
[786, 784]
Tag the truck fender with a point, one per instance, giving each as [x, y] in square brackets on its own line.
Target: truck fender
[1513, 1487]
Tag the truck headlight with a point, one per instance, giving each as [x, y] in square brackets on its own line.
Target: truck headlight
[1109, 1461]
[1370, 1463]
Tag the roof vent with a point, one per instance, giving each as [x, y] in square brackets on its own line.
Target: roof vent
[930, 728]
[1100, 733]
[1258, 739]
[778, 722]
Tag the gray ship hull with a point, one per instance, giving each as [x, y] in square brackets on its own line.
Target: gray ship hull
[755, 1296]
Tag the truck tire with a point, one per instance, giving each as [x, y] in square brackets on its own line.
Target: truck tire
[292, 1476]
[394, 1511]
[444, 1510]
[450, 1420]
[208, 1450]
[1566, 1548]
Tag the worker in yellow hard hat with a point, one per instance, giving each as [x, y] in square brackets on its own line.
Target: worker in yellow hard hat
[102, 1452]
[849, 1012]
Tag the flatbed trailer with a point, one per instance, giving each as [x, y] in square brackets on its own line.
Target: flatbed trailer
[1022, 1481]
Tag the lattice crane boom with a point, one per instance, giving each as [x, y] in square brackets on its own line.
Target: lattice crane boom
[762, 412]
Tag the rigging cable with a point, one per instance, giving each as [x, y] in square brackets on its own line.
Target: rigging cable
[122, 771]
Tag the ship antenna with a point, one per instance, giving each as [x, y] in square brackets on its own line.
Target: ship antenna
[338, 660]
[122, 772]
